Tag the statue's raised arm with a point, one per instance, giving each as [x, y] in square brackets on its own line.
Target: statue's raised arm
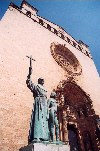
[30, 67]
[29, 81]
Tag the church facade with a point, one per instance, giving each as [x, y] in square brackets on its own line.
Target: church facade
[66, 66]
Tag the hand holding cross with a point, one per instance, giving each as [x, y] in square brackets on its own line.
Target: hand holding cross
[30, 67]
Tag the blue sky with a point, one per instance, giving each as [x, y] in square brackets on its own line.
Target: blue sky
[80, 18]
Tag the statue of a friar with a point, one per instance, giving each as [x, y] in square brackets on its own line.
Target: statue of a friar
[40, 125]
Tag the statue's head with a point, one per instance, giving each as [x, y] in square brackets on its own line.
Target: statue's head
[53, 95]
[41, 81]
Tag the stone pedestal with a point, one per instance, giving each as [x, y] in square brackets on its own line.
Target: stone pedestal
[45, 147]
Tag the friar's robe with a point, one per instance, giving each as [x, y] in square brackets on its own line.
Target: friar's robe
[40, 124]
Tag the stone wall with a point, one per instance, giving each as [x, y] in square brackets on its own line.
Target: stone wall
[21, 36]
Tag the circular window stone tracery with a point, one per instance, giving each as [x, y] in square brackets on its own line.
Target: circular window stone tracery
[66, 59]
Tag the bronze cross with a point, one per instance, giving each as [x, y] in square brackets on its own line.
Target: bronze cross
[30, 57]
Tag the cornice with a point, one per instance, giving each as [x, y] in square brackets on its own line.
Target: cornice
[40, 20]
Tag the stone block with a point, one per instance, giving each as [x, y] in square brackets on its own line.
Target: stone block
[45, 147]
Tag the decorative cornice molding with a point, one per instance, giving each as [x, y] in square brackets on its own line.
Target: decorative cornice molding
[52, 29]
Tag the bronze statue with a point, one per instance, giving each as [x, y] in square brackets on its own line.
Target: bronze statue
[53, 122]
[40, 123]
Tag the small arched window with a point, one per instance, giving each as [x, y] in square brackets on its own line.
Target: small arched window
[28, 13]
[55, 31]
[79, 48]
[68, 40]
[62, 36]
[41, 22]
[87, 54]
[74, 44]
[48, 27]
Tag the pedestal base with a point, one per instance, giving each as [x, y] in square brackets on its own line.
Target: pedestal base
[45, 147]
